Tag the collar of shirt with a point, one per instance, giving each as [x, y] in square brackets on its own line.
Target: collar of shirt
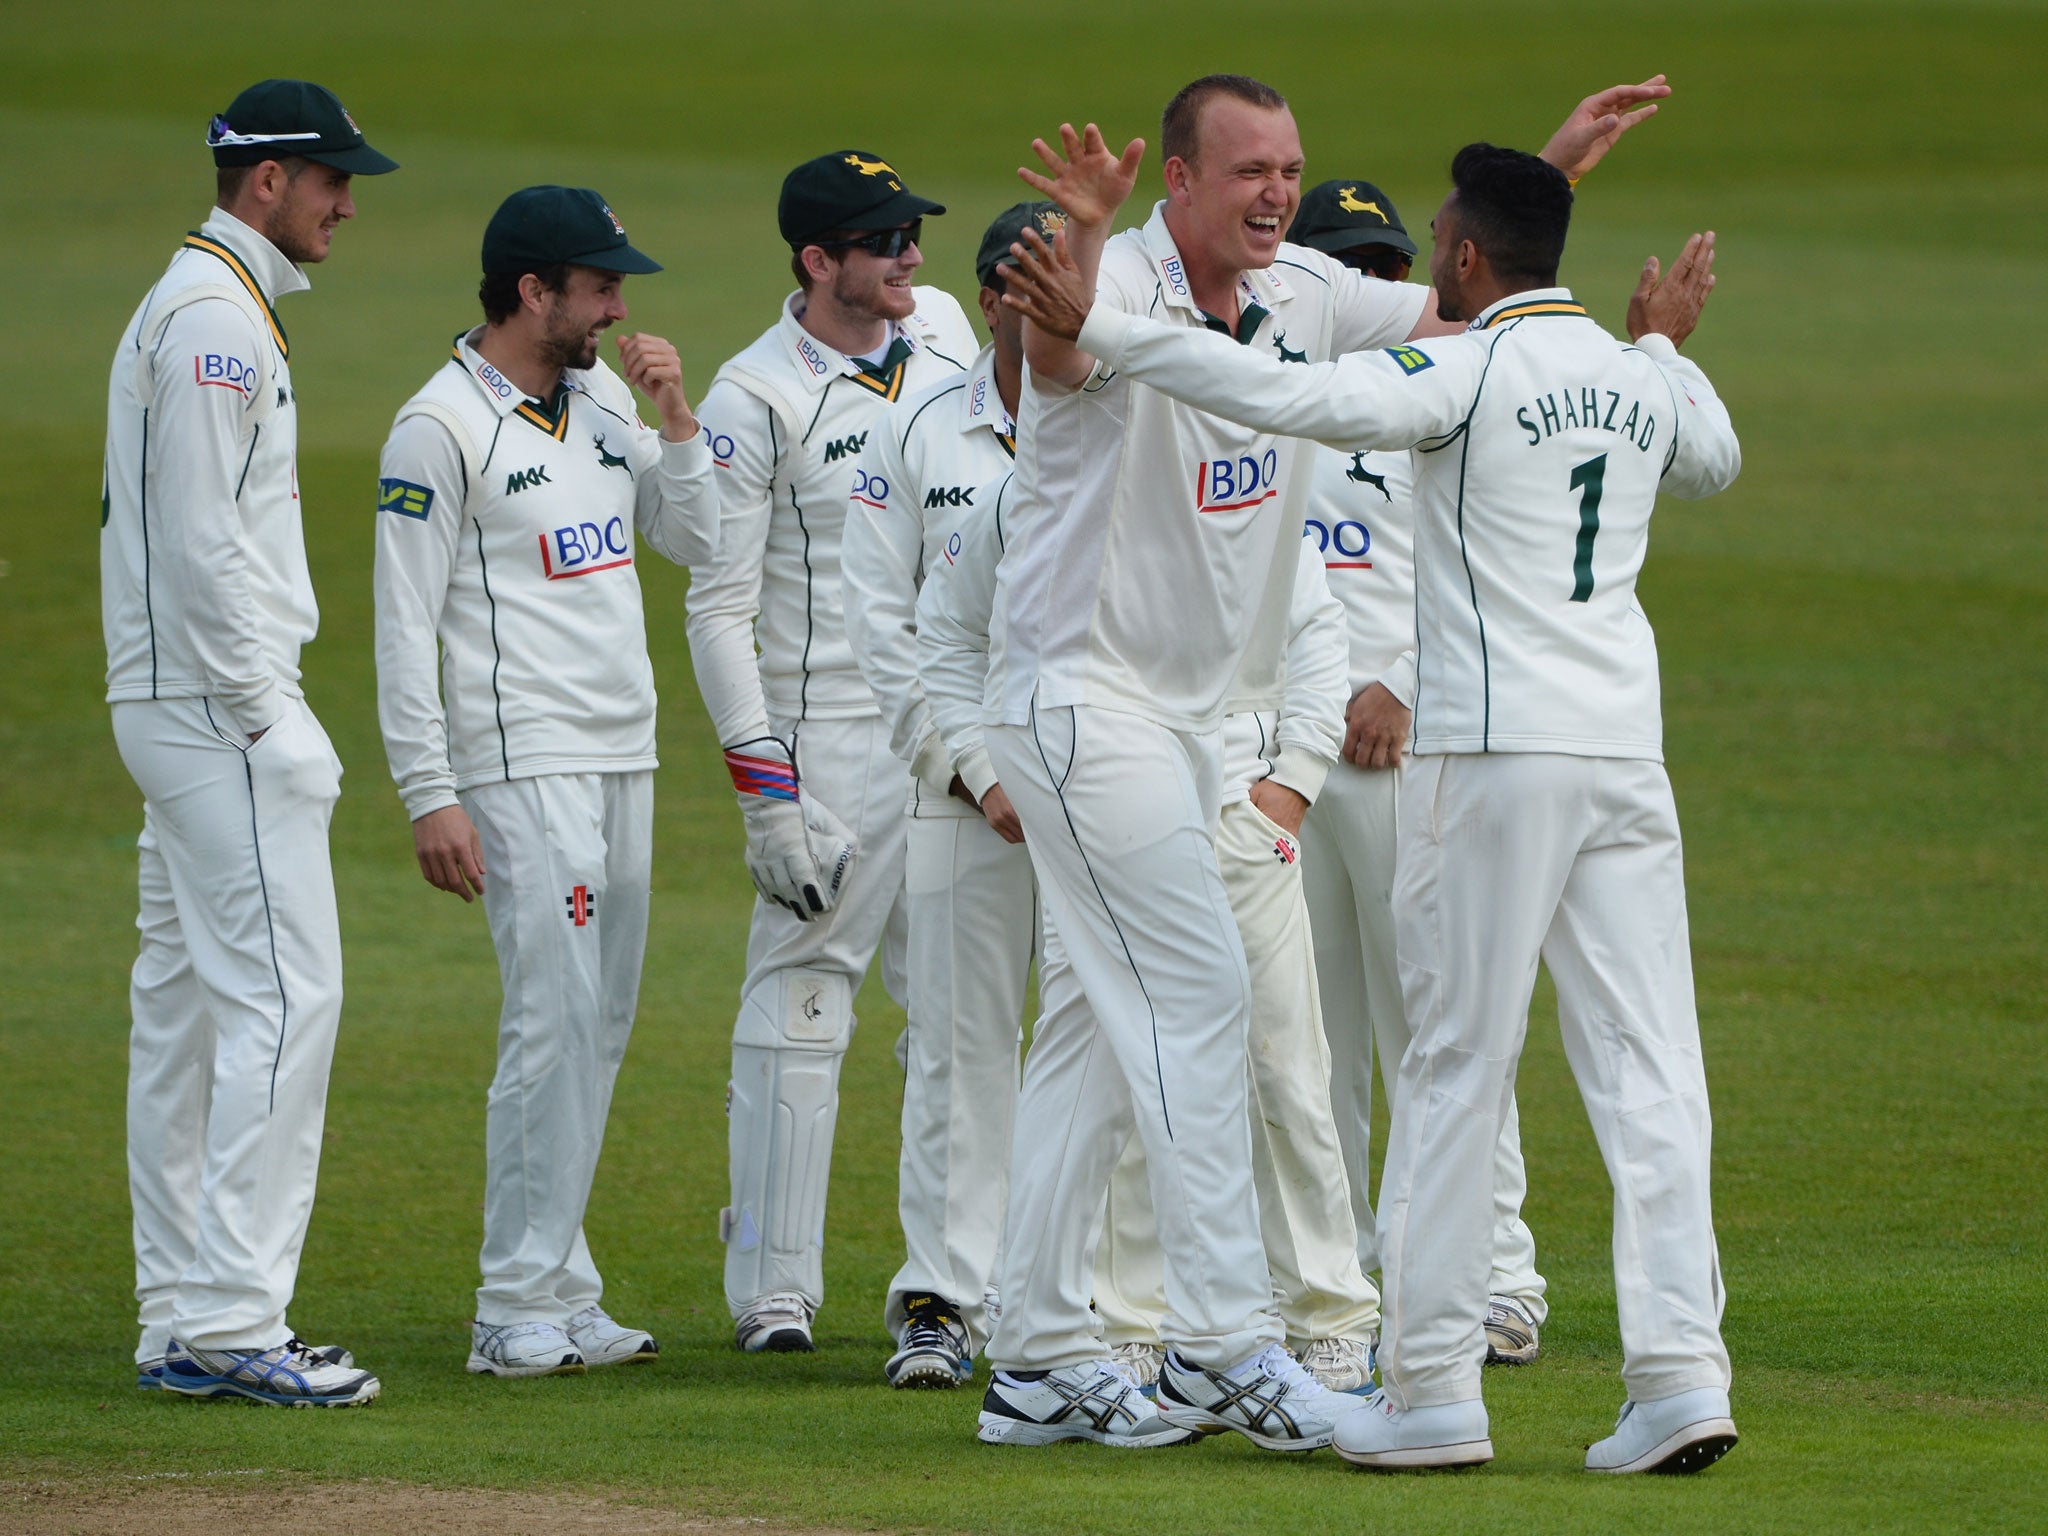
[982, 402]
[1533, 301]
[504, 396]
[1263, 286]
[275, 275]
[817, 364]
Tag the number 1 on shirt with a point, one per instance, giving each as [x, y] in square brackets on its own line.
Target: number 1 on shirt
[1586, 479]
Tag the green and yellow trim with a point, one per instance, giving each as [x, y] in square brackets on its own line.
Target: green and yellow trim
[888, 385]
[552, 418]
[195, 241]
[1539, 307]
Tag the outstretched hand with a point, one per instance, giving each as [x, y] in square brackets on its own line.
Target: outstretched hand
[1087, 181]
[1046, 286]
[1584, 138]
[1671, 308]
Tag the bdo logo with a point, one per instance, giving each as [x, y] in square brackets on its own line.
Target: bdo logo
[1231, 485]
[224, 372]
[581, 548]
[1348, 542]
[872, 489]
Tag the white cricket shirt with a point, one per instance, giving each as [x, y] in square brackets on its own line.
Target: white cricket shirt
[952, 630]
[1150, 567]
[204, 591]
[1541, 444]
[932, 457]
[505, 532]
[788, 422]
[1361, 520]
[1297, 744]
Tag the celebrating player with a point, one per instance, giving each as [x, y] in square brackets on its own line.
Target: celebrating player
[972, 904]
[513, 484]
[822, 794]
[1362, 525]
[1537, 819]
[236, 992]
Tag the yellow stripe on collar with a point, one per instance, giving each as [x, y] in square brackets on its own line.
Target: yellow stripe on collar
[557, 428]
[1540, 307]
[199, 242]
[888, 386]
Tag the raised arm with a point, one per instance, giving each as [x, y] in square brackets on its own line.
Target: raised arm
[1705, 456]
[675, 502]
[1090, 184]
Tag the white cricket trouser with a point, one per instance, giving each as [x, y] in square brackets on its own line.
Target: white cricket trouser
[1505, 857]
[796, 1016]
[1347, 867]
[1146, 1014]
[236, 997]
[973, 927]
[1305, 1218]
[567, 861]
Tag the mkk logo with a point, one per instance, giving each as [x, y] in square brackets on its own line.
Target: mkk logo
[871, 490]
[579, 549]
[404, 498]
[493, 380]
[845, 447]
[608, 460]
[1231, 485]
[522, 479]
[224, 372]
[1349, 540]
[1364, 476]
[949, 496]
[582, 905]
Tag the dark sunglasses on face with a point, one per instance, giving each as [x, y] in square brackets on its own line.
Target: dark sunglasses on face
[886, 243]
[1390, 265]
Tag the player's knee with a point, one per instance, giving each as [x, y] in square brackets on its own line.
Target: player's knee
[798, 1009]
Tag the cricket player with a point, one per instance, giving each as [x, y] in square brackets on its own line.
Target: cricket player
[512, 486]
[1275, 763]
[971, 901]
[821, 792]
[206, 603]
[1361, 523]
[1537, 819]
[1128, 623]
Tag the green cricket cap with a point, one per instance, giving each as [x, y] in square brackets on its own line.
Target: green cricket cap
[1010, 224]
[276, 118]
[538, 226]
[848, 189]
[1342, 215]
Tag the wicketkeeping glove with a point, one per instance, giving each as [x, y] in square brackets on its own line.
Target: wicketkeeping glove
[797, 852]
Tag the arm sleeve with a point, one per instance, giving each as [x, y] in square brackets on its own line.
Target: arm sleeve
[1392, 399]
[952, 638]
[1399, 678]
[1311, 729]
[725, 590]
[1371, 312]
[878, 568]
[1706, 457]
[203, 433]
[675, 498]
[414, 557]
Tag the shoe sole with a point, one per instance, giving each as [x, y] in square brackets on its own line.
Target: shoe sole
[480, 1365]
[1201, 1421]
[218, 1387]
[995, 1429]
[782, 1341]
[1691, 1449]
[650, 1351]
[1512, 1358]
[926, 1372]
[1423, 1458]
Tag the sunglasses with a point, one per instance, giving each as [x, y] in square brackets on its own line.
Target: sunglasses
[1388, 264]
[220, 136]
[886, 243]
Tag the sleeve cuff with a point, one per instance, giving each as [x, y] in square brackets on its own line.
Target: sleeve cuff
[690, 456]
[1659, 347]
[1103, 333]
[1399, 679]
[977, 772]
[259, 711]
[933, 765]
[1300, 770]
[427, 799]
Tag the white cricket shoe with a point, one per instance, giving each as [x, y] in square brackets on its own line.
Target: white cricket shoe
[1342, 1365]
[1510, 1332]
[1093, 1401]
[523, 1349]
[933, 1349]
[289, 1375]
[1268, 1398]
[1672, 1434]
[600, 1341]
[778, 1324]
[149, 1374]
[1140, 1361]
[1377, 1434]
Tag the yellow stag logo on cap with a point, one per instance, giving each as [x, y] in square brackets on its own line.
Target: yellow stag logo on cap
[871, 167]
[1347, 199]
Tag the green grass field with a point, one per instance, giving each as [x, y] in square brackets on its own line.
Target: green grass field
[1855, 645]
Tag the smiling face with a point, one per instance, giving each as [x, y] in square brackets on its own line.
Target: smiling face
[1240, 190]
[308, 205]
[877, 286]
[573, 320]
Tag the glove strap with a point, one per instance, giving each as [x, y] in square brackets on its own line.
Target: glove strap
[764, 776]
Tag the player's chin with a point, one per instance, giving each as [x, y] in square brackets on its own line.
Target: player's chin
[895, 301]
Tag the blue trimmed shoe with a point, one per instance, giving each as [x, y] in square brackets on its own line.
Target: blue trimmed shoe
[933, 1349]
[149, 1375]
[291, 1376]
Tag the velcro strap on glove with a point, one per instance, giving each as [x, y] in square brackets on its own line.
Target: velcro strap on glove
[768, 777]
